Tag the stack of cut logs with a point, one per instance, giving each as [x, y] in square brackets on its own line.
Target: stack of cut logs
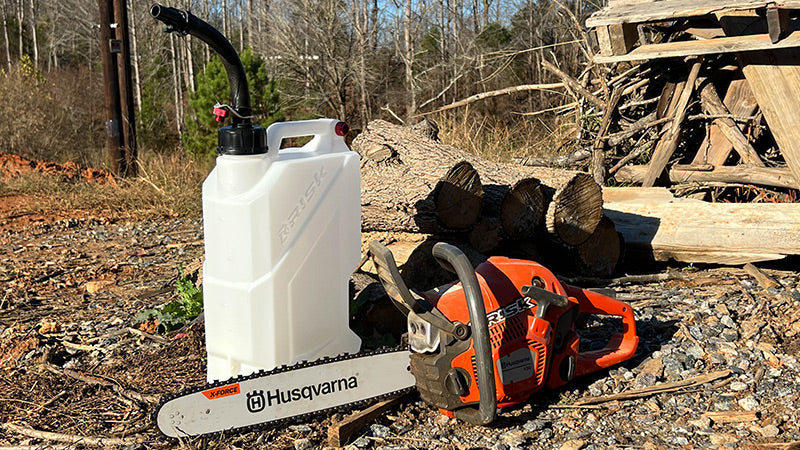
[417, 191]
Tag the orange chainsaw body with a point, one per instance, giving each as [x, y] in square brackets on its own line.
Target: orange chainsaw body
[502, 332]
[530, 353]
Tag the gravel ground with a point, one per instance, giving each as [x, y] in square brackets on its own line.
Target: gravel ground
[71, 361]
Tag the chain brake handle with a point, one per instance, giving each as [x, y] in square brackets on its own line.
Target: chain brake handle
[621, 346]
[454, 260]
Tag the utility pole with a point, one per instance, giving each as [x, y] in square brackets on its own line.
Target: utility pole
[111, 83]
[128, 124]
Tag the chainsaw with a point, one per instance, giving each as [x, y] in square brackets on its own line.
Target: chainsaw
[502, 332]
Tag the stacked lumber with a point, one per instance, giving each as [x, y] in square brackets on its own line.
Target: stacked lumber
[428, 192]
[704, 93]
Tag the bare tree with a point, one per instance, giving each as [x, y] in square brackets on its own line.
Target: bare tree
[360, 22]
[408, 60]
[177, 89]
[20, 21]
[312, 46]
[5, 33]
[33, 35]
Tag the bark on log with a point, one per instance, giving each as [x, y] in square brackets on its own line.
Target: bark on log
[398, 188]
[575, 210]
[485, 235]
[562, 161]
[657, 226]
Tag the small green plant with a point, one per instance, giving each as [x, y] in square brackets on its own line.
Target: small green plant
[690, 268]
[177, 313]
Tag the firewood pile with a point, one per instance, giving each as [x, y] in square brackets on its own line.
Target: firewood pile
[701, 95]
[424, 191]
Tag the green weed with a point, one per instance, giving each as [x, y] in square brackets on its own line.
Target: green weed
[177, 313]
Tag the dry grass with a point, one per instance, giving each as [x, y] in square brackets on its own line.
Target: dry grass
[167, 185]
[170, 183]
[499, 141]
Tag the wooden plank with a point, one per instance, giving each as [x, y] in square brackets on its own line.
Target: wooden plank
[777, 23]
[716, 147]
[652, 11]
[696, 231]
[774, 77]
[703, 47]
[712, 105]
[764, 176]
[341, 432]
[623, 36]
[604, 41]
[669, 142]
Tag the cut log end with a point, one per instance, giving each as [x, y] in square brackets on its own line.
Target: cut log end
[523, 209]
[600, 254]
[485, 235]
[458, 197]
[575, 210]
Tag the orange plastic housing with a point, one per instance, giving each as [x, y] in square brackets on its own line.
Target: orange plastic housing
[524, 351]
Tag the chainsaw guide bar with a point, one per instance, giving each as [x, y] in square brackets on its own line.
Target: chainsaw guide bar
[266, 398]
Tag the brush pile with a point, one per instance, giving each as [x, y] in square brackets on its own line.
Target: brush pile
[717, 125]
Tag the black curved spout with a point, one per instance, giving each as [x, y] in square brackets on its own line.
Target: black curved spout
[186, 23]
[241, 138]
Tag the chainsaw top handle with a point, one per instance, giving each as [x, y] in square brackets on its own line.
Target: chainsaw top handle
[454, 260]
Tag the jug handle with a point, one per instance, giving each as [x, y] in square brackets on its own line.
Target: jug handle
[320, 129]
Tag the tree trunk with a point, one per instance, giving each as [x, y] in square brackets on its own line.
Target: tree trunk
[249, 13]
[20, 21]
[575, 210]
[225, 23]
[33, 36]
[176, 81]
[408, 59]
[241, 28]
[5, 33]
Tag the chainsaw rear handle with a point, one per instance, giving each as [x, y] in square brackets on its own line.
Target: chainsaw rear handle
[621, 346]
[454, 260]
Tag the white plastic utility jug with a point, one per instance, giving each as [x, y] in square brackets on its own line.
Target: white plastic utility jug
[282, 237]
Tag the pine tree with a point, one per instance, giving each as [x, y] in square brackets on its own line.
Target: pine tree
[212, 88]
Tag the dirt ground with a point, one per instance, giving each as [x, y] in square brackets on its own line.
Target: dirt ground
[72, 361]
